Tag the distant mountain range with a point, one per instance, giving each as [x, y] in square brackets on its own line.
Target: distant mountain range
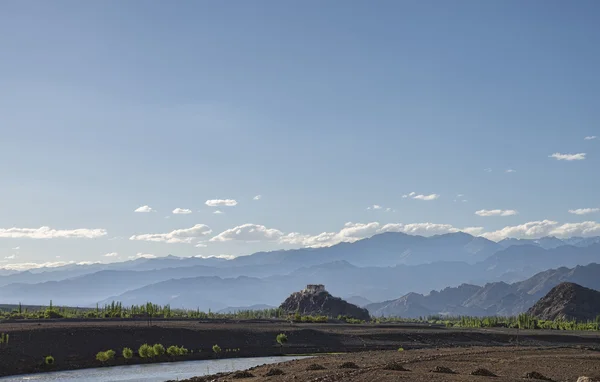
[375, 269]
[550, 242]
[497, 298]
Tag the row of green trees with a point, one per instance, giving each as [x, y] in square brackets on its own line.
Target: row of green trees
[117, 310]
[522, 321]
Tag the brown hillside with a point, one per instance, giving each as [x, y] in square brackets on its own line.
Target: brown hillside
[568, 301]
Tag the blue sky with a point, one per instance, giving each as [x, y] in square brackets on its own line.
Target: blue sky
[322, 108]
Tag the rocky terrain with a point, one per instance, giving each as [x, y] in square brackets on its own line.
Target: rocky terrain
[316, 301]
[568, 301]
[508, 364]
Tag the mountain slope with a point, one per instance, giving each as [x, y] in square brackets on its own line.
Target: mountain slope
[497, 298]
[568, 301]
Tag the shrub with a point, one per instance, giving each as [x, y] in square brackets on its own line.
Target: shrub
[282, 339]
[158, 349]
[315, 366]
[400, 349]
[127, 353]
[49, 360]
[146, 351]
[349, 365]
[173, 350]
[102, 356]
[216, 349]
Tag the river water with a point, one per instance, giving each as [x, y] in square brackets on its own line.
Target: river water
[158, 372]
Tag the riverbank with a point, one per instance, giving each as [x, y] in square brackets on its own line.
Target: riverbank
[506, 364]
[74, 344]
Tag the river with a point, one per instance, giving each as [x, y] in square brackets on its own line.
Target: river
[154, 372]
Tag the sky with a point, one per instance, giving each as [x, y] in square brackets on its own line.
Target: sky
[149, 128]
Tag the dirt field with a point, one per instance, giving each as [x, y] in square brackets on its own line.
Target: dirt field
[508, 364]
[75, 344]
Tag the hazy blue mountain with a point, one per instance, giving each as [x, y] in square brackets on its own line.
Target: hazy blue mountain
[358, 301]
[551, 242]
[205, 293]
[345, 275]
[497, 298]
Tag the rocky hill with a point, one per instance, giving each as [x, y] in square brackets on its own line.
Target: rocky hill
[316, 301]
[568, 301]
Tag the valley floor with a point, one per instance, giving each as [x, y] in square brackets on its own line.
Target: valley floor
[74, 344]
[508, 364]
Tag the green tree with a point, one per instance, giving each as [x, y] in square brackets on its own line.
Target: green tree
[216, 349]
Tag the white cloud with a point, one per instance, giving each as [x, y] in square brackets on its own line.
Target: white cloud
[590, 138]
[201, 245]
[87, 262]
[50, 233]
[144, 209]
[226, 257]
[218, 212]
[16, 248]
[389, 210]
[221, 203]
[568, 157]
[249, 232]
[140, 255]
[25, 266]
[496, 212]
[584, 229]
[186, 235]
[487, 170]
[11, 257]
[584, 211]
[374, 207]
[537, 229]
[257, 197]
[181, 211]
[426, 197]
[510, 170]
[112, 254]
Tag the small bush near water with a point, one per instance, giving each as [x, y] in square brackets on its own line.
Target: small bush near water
[349, 365]
[159, 350]
[146, 351]
[315, 366]
[105, 356]
[176, 350]
[49, 360]
[127, 353]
